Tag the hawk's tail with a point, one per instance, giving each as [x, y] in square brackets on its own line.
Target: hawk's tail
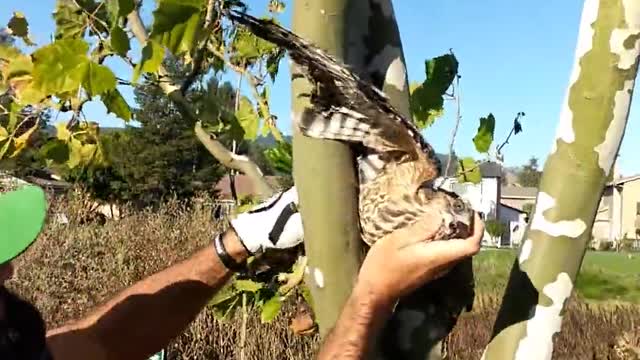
[344, 107]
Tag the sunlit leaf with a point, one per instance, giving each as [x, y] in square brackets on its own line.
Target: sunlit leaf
[3, 133]
[98, 79]
[426, 99]
[276, 6]
[248, 118]
[20, 27]
[294, 278]
[280, 157]
[247, 285]
[20, 65]
[271, 309]
[61, 66]
[14, 111]
[119, 41]
[226, 293]
[484, 136]
[306, 295]
[248, 48]
[79, 153]
[20, 142]
[152, 56]
[62, 133]
[116, 104]
[469, 171]
[176, 22]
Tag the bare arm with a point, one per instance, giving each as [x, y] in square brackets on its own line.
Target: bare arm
[395, 266]
[148, 315]
[362, 318]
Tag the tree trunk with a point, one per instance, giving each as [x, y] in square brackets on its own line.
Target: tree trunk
[591, 128]
[325, 177]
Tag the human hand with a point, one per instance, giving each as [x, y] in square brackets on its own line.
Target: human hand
[275, 223]
[410, 257]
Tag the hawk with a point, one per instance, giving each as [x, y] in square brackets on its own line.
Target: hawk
[398, 169]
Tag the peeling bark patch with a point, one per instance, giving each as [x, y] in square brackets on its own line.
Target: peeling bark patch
[570, 228]
[389, 62]
[607, 150]
[538, 344]
[408, 321]
[318, 276]
[565, 130]
[625, 43]
[526, 251]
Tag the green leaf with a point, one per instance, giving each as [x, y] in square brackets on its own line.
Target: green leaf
[226, 293]
[306, 295]
[98, 79]
[61, 66]
[176, 22]
[120, 41]
[248, 118]
[273, 63]
[484, 137]
[3, 133]
[71, 21]
[119, 8]
[426, 99]
[280, 157]
[271, 309]
[56, 150]
[152, 56]
[116, 104]
[469, 171]
[247, 285]
[80, 154]
[20, 27]
[248, 48]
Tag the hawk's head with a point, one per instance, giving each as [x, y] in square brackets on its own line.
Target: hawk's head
[457, 214]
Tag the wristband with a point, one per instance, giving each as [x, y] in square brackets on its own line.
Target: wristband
[226, 259]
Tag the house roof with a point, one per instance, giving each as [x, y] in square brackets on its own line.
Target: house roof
[520, 192]
[244, 185]
[491, 169]
[623, 180]
[513, 208]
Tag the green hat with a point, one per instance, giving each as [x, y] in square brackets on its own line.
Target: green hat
[22, 214]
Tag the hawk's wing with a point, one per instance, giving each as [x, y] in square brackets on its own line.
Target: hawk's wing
[350, 109]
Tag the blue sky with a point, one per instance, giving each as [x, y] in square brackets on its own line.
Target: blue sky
[512, 58]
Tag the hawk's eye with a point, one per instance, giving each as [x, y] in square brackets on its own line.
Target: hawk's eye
[458, 205]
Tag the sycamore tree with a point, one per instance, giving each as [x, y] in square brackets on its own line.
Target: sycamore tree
[62, 76]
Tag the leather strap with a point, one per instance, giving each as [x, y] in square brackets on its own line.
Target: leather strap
[226, 259]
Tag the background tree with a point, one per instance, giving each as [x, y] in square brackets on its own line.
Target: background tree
[529, 175]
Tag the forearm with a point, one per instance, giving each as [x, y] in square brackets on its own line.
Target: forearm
[145, 317]
[362, 318]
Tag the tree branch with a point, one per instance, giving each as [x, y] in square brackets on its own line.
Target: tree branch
[455, 128]
[198, 59]
[222, 154]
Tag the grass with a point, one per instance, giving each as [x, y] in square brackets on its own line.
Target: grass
[74, 267]
[604, 276]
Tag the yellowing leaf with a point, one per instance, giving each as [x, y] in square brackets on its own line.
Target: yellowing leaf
[21, 141]
[116, 104]
[62, 133]
[152, 56]
[80, 154]
[19, 66]
[3, 133]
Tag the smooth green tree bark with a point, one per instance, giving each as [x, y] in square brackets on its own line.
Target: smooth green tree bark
[591, 128]
[323, 171]
[325, 176]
